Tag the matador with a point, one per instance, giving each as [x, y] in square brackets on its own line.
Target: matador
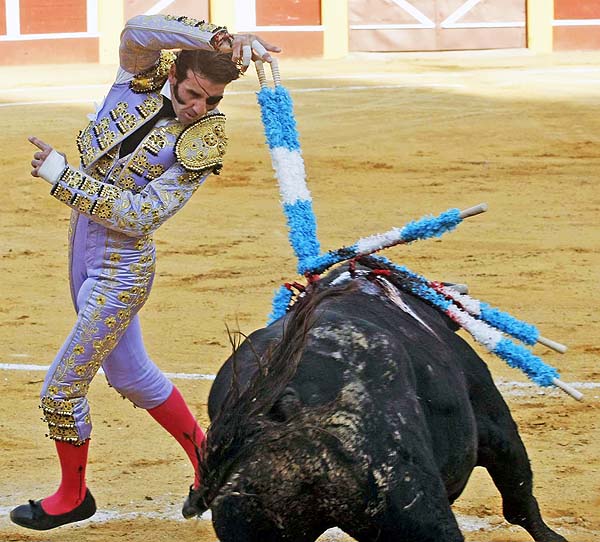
[151, 144]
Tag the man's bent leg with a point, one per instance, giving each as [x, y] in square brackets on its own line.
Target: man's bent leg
[133, 374]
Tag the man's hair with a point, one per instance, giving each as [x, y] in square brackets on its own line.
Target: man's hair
[213, 65]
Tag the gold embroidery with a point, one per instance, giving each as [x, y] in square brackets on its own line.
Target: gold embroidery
[90, 186]
[104, 136]
[174, 128]
[103, 165]
[106, 139]
[66, 434]
[84, 144]
[102, 125]
[189, 177]
[118, 111]
[109, 192]
[203, 26]
[72, 177]
[84, 138]
[127, 123]
[139, 163]
[57, 405]
[149, 106]
[82, 204]
[78, 349]
[202, 145]
[61, 194]
[102, 209]
[114, 174]
[154, 171]
[155, 77]
[155, 142]
[127, 183]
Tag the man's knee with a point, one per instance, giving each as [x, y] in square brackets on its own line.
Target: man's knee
[145, 393]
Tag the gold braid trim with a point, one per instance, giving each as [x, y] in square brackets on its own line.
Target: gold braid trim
[202, 145]
[155, 77]
[203, 26]
[58, 414]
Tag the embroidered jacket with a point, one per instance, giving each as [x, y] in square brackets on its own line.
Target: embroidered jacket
[137, 193]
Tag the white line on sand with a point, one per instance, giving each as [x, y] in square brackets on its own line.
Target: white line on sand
[358, 76]
[466, 523]
[509, 387]
[244, 92]
[31, 367]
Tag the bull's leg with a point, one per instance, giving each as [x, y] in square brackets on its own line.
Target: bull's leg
[417, 511]
[502, 453]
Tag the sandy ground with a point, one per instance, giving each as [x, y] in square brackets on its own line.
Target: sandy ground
[386, 139]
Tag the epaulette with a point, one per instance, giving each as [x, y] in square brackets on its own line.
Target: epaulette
[202, 145]
[155, 77]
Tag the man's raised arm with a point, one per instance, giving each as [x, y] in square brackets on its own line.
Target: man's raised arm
[145, 36]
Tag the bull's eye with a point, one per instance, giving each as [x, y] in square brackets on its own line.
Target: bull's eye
[286, 406]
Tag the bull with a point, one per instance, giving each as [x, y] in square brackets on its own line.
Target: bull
[361, 410]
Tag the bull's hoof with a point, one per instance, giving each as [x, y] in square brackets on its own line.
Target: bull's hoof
[194, 505]
[33, 516]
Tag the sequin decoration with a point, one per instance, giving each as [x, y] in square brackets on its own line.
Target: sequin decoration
[200, 25]
[58, 414]
[155, 77]
[202, 145]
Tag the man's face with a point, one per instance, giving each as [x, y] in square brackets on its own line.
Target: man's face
[194, 96]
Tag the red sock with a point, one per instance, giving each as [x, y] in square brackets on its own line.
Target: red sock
[71, 492]
[175, 416]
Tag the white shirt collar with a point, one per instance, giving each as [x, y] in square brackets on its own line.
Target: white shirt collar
[166, 90]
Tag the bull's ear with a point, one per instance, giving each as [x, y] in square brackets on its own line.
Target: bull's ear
[286, 406]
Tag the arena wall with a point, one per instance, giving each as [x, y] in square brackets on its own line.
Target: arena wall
[576, 25]
[58, 31]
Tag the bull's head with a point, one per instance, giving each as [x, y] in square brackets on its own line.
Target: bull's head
[285, 483]
[287, 457]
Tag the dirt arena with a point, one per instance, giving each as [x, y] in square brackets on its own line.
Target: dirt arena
[386, 139]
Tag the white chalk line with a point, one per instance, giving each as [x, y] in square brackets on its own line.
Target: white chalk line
[38, 368]
[370, 76]
[358, 76]
[248, 92]
[466, 523]
[508, 387]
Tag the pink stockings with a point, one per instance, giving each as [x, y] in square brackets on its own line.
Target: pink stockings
[174, 415]
[71, 492]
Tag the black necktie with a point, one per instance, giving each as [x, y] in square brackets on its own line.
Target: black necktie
[131, 142]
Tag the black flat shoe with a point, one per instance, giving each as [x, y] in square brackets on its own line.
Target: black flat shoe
[193, 505]
[32, 515]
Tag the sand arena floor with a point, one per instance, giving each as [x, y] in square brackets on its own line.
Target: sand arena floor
[386, 139]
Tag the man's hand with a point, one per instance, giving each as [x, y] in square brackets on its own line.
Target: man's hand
[48, 169]
[247, 47]
[40, 156]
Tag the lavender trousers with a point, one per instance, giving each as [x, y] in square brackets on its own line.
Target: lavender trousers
[111, 276]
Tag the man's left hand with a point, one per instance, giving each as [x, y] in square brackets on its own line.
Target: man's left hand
[40, 156]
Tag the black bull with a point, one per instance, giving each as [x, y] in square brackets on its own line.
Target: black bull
[352, 412]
